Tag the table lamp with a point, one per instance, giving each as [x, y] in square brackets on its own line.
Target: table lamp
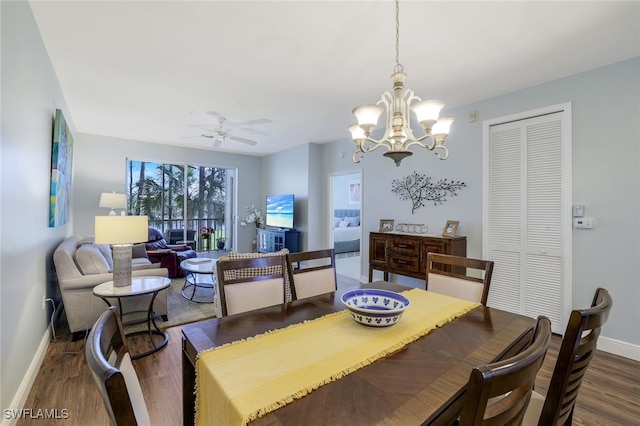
[121, 232]
[113, 201]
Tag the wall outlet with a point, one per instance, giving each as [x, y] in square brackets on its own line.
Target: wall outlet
[44, 302]
[578, 210]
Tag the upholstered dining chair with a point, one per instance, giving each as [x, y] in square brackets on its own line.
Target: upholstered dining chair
[312, 273]
[498, 393]
[461, 285]
[576, 351]
[252, 283]
[108, 358]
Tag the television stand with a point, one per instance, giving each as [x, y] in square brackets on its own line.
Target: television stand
[275, 239]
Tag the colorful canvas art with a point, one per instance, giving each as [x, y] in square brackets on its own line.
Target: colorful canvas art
[61, 162]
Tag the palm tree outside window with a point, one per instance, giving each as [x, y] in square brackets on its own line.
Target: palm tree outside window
[183, 197]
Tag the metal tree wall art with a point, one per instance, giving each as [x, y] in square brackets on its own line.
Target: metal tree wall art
[420, 189]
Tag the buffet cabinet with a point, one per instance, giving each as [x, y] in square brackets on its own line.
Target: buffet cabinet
[406, 254]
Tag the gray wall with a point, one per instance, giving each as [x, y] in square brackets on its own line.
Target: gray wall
[30, 95]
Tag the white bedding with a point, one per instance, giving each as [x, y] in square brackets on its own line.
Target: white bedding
[346, 234]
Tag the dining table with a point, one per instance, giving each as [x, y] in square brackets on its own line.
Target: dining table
[423, 383]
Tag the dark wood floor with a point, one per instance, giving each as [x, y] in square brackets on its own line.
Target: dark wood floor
[610, 393]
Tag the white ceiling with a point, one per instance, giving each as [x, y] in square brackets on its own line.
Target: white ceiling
[150, 70]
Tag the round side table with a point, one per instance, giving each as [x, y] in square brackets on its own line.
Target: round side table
[139, 286]
[193, 268]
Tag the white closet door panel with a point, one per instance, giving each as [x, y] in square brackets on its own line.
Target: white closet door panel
[544, 184]
[506, 194]
[504, 291]
[543, 289]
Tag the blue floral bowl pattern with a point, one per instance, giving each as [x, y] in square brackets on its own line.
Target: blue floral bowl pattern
[375, 308]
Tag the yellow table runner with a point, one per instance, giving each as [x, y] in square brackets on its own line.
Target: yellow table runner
[241, 381]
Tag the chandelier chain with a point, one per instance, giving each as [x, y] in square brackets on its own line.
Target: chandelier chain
[398, 67]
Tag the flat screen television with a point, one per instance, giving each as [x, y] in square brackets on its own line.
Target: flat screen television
[280, 211]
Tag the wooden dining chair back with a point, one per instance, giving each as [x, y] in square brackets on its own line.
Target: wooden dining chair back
[109, 360]
[443, 276]
[250, 283]
[576, 351]
[498, 393]
[312, 273]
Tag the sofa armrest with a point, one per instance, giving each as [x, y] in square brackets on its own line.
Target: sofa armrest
[179, 247]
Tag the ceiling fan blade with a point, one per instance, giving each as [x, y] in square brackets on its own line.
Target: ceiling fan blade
[196, 136]
[243, 140]
[254, 122]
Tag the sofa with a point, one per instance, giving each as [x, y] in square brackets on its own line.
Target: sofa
[168, 255]
[81, 265]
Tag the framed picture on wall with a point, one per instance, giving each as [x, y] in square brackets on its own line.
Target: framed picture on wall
[386, 225]
[450, 228]
[353, 192]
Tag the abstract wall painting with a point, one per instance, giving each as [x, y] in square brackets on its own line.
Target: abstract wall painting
[61, 162]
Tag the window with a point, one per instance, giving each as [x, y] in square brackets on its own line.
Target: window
[179, 197]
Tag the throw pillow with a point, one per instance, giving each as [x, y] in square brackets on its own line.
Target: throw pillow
[353, 221]
[90, 260]
[343, 224]
[139, 251]
[336, 221]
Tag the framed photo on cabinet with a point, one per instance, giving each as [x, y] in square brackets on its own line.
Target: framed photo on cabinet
[450, 228]
[386, 225]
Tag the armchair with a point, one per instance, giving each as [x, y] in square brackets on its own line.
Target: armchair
[168, 255]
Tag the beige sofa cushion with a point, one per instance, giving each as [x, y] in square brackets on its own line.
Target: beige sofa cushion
[90, 260]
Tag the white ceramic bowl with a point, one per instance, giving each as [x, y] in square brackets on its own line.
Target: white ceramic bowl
[375, 308]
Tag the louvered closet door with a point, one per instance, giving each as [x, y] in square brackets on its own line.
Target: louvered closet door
[527, 198]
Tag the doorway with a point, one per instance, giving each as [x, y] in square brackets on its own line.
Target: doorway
[345, 207]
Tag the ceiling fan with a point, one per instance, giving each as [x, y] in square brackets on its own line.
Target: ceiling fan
[225, 129]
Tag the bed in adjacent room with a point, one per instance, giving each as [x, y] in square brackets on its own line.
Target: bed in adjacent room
[346, 230]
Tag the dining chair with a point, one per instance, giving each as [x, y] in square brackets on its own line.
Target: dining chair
[443, 276]
[109, 360]
[498, 393]
[576, 351]
[251, 283]
[312, 273]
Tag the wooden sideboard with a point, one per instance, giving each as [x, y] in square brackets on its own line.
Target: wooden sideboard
[406, 254]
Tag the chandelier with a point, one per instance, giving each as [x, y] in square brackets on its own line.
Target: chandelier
[398, 136]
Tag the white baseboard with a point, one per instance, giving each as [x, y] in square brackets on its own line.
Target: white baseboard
[20, 398]
[618, 347]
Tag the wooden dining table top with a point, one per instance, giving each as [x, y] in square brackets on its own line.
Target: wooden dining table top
[423, 383]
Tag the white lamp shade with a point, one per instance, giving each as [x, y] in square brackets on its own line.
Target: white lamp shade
[367, 115]
[428, 110]
[356, 132]
[121, 229]
[111, 200]
[442, 126]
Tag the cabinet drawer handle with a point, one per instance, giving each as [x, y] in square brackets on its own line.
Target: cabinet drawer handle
[403, 245]
[402, 262]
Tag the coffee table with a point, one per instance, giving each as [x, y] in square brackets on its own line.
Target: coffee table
[139, 286]
[194, 272]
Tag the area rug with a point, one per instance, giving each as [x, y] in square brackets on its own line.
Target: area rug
[181, 310]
